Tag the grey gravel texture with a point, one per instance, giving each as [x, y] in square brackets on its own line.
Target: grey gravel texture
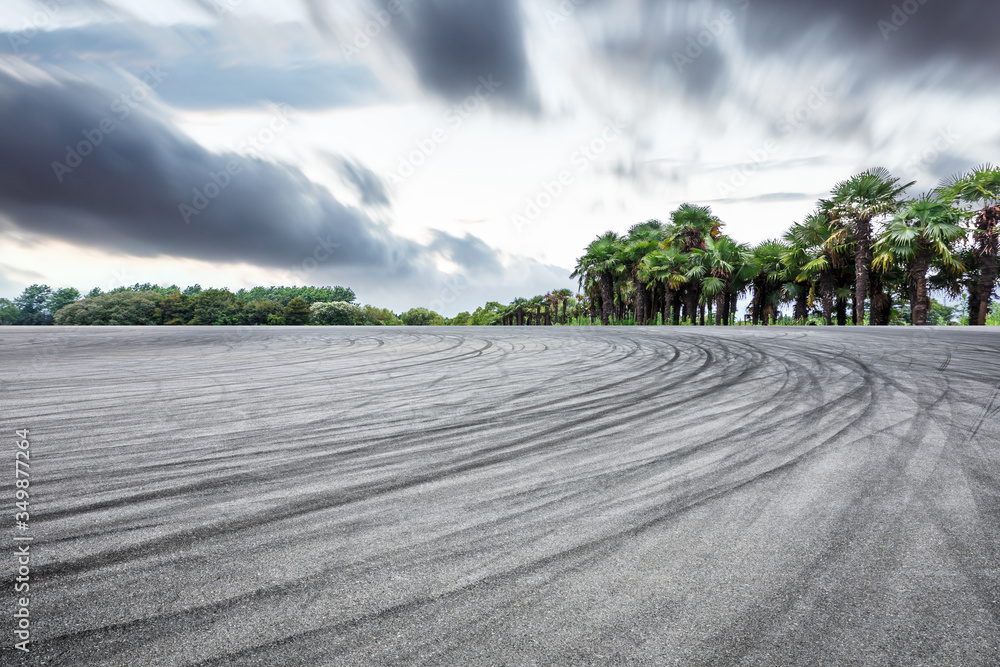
[488, 496]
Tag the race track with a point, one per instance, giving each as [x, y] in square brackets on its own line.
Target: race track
[473, 496]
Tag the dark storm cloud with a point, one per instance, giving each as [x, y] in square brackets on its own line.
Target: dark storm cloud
[656, 44]
[369, 186]
[126, 193]
[876, 35]
[908, 33]
[454, 42]
[698, 50]
[465, 251]
[208, 68]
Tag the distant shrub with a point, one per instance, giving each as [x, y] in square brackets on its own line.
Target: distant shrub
[175, 308]
[112, 309]
[380, 316]
[216, 307]
[260, 311]
[993, 318]
[337, 313]
[283, 295]
[421, 317]
[297, 312]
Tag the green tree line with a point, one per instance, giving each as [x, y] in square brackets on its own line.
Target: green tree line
[147, 304]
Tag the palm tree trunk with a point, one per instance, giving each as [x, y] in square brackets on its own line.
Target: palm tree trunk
[607, 300]
[988, 244]
[862, 267]
[911, 293]
[826, 294]
[655, 304]
[691, 305]
[974, 302]
[802, 307]
[987, 281]
[880, 309]
[652, 306]
[668, 297]
[756, 304]
[677, 300]
[648, 305]
[918, 274]
[640, 302]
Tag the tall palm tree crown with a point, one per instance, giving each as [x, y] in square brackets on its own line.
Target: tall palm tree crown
[855, 203]
[922, 233]
[980, 189]
[600, 264]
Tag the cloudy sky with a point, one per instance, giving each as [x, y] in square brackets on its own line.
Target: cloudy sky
[443, 153]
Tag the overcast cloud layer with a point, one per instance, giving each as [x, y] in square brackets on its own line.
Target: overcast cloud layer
[410, 149]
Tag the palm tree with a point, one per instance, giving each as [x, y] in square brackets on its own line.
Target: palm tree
[980, 188]
[517, 308]
[799, 283]
[920, 234]
[719, 259]
[856, 203]
[766, 269]
[810, 240]
[689, 227]
[796, 287]
[669, 267]
[601, 263]
[642, 239]
[552, 301]
[590, 289]
[564, 296]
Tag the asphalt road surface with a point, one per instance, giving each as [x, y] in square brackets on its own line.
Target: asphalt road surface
[474, 496]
